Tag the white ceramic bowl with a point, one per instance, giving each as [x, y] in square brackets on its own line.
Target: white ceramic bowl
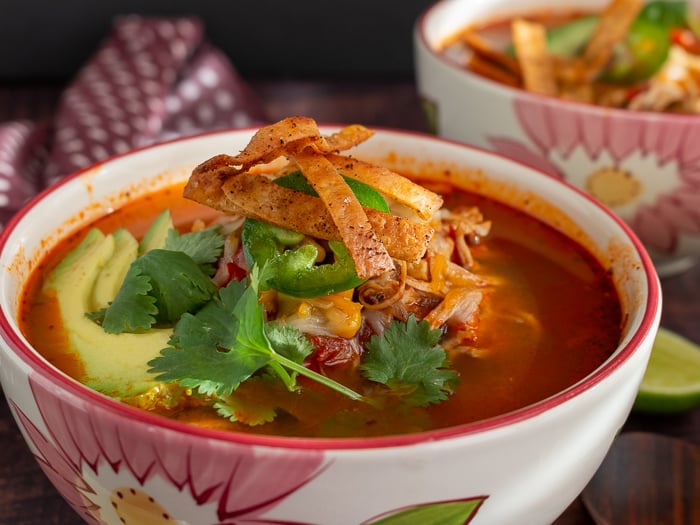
[523, 467]
[657, 152]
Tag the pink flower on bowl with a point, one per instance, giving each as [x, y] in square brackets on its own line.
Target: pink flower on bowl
[107, 474]
[646, 170]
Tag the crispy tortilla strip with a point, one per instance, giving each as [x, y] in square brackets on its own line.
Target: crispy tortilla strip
[489, 69]
[397, 187]
[367, 251]
[483, 48]
[285, 138]
[402, 238]
[281, 138]
[258, 197]
[346, 138]
[530, 42]
[205, 186]
[270, 142]
[612, 27]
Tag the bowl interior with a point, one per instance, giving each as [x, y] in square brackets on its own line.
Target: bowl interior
[95, 190]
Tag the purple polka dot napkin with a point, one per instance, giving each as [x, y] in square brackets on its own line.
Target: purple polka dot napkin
[22, 156]
[152, 79]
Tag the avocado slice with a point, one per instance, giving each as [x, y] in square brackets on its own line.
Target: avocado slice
[111, 276]
[157, 232]
[115, 365]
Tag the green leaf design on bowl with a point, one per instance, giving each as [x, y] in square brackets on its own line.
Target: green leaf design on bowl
[455, 512]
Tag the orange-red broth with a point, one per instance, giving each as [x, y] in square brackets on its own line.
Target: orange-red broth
[564, 288]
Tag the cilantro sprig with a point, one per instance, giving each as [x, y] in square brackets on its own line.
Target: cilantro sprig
[228, 341]
[408, 360]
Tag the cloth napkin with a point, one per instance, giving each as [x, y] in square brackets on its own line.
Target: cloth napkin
[150, 80]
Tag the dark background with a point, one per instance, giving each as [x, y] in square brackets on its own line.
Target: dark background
[49, 40]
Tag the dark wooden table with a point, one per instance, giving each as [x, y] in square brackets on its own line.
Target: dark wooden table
[26, 496]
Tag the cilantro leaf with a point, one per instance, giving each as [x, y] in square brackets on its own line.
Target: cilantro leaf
[408, 359]
[179, 285]
[160, 286]
[203, 246]
[244, 410]
[133, 308]
[215, 326]
[288, 341]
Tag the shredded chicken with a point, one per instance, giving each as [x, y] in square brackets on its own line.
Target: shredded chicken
[676, 87]
[461, 302]
[385, 290]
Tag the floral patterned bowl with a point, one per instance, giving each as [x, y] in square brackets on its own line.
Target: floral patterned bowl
[115, 464]
[644, 166]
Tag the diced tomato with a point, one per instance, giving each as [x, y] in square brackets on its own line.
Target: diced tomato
[686, 39]
[633, 92]
[334, 351]
[331, 351]
[231, 266]
[235, 272]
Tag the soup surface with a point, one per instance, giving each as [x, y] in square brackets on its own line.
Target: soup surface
[630, 55]
[549, 316]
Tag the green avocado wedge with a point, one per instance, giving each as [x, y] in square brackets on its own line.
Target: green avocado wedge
[112, 273]
[115, 365]
[157, 233]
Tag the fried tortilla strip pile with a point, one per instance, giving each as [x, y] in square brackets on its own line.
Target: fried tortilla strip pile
[567, 77]
[264, 200]
[238, 185]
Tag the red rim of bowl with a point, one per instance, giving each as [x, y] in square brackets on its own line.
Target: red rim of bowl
[509, 91]
[73, 387]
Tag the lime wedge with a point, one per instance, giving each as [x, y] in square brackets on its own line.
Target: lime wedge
[671, 382]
